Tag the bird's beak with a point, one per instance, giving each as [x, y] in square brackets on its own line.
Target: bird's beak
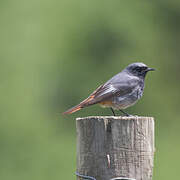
[150, 69]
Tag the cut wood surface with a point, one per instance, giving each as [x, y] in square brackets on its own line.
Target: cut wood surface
[115, 146]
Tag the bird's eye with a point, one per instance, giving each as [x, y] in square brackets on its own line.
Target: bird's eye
[138, 69]
[143, 68]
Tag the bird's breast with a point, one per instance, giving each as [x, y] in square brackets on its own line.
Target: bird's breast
[122, 102]
[140, 90]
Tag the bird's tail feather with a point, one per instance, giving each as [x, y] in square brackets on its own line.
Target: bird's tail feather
[73, 109]
[87, 102]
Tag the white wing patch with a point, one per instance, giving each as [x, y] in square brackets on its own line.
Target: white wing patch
[109, 89]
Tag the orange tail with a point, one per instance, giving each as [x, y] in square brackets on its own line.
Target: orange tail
[73, 109]
[87, 102]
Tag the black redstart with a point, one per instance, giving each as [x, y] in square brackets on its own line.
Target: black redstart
[121, 91]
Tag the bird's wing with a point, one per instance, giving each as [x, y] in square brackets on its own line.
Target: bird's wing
[119, 87]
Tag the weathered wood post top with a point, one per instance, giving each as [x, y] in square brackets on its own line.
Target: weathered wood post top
[113, 146]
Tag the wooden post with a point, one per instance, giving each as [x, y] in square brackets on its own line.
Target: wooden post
[110, 147]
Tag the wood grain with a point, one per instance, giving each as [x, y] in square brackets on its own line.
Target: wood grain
[109, 147]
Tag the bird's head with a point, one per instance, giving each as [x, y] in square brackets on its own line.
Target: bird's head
[138, 69]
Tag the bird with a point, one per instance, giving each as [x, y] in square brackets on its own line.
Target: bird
[120, 92]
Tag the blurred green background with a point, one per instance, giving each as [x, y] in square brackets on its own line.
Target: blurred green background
[54, 53]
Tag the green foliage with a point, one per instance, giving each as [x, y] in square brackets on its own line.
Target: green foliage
[53, 54]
